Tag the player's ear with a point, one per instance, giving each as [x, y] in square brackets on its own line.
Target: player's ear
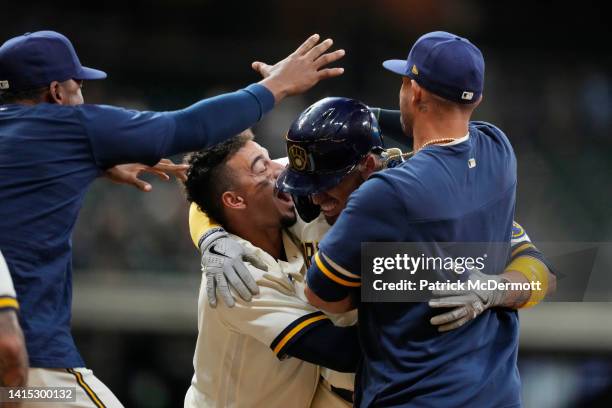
[369, 166]
[233, 200]
[416, 96]
[55, 93]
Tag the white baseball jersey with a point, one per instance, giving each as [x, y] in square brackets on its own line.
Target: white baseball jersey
[239, 357]
[7, 290]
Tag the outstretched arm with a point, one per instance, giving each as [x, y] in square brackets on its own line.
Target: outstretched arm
[126, 136]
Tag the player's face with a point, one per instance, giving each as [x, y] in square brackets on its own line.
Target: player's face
[405, 105]
[257, 174]
[334, 200]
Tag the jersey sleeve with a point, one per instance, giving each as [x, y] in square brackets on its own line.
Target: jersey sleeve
[336, 268]
[199, 223]
[124, 136]
[120, 135]
[276, 317]
[8, 298]
[521, 246]
[519, 236]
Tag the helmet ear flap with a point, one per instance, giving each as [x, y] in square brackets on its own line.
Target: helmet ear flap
[306, 209]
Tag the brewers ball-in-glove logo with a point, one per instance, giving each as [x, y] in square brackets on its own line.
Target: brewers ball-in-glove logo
[297, 157]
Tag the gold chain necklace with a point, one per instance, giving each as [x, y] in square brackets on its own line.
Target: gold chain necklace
[437, 141]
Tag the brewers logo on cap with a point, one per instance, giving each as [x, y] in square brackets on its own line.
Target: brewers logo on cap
[297, 157]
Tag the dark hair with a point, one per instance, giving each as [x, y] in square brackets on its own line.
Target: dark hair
[34, 95]
[208, 177]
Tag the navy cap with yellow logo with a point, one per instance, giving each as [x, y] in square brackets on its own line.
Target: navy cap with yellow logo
[446, 65]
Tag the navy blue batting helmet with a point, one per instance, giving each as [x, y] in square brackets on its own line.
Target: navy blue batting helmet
[326, 142]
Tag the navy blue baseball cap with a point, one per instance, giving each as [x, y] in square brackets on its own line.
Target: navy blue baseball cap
[36, 59]
[446, 65]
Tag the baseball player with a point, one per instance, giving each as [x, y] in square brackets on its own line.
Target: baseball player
[52, 147]
[333, 146]
[241, 357]
[458, 187]
[13, 355]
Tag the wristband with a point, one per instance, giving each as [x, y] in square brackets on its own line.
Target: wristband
[207, 235]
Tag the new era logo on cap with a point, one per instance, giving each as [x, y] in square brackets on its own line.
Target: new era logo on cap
[4, 84]
[468, 96]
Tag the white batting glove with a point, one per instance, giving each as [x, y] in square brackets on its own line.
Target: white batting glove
[466, 304]
[222, 263]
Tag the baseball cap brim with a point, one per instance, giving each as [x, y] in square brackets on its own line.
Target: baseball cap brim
[302, 184]
[397, 66]
[90, 73]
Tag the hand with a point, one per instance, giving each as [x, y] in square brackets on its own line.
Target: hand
[128, 173]
[179, 171]
[13, 354]
[466, 304]
[301, 70]
[222, 262]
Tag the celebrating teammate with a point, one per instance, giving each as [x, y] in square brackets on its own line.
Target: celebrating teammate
[458, 187]
[52, 147]
[240, 357]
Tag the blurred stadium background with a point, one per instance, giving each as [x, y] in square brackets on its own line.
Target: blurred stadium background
[548, 85]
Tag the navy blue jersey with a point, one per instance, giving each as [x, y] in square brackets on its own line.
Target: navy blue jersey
[49, 155]
[459, 193]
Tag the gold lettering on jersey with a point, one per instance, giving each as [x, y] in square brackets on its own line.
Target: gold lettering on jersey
[297, 157]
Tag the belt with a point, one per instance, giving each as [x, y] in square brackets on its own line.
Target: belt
[343, 393]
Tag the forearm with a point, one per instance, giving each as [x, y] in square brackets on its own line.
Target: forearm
[216, 119]
[329, 346]
[514, 299]
[13, 356]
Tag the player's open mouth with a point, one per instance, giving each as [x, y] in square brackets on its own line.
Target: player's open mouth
[282, 196]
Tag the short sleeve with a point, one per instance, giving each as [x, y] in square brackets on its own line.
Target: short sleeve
[120, 135]
[519, 235]
[371, 215]
[275, 317]
[7, 291]
[520, 242]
